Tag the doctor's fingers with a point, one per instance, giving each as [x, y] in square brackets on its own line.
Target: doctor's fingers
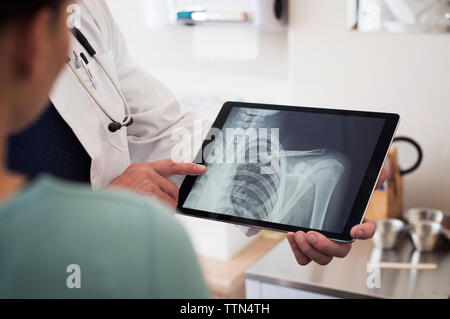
[168, 168]
[326, 246]
[366, 230]
[312, 253]
[155, 191]
[166, 185]
[301, 258]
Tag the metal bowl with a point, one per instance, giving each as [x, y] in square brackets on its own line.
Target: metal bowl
[416, 215]
[387, 233]
[425, 235]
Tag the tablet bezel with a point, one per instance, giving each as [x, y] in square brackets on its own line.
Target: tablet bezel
[365, 191]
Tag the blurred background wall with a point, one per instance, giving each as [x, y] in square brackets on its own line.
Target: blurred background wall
[404, 73]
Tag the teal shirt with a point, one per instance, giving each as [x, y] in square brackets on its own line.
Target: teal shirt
[125, 245]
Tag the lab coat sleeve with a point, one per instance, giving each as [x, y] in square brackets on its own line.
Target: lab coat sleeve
[158, 123]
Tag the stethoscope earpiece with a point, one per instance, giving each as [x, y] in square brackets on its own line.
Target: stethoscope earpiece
[114, 127]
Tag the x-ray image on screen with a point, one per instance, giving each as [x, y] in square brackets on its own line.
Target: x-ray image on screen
[314, 162]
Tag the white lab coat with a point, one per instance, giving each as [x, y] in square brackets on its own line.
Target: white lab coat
[155, 111]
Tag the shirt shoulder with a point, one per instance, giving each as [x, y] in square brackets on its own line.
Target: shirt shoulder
[134, 245]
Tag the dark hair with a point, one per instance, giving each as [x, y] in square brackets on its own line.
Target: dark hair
[13, 10]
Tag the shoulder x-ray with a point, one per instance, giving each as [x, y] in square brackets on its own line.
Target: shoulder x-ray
[296, 189]
[287, 167]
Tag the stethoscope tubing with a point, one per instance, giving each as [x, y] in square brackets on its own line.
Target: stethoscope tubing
[88, 47]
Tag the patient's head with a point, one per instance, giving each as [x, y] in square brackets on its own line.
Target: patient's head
[34, 43]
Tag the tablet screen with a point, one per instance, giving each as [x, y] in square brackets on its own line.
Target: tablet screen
[303, 169]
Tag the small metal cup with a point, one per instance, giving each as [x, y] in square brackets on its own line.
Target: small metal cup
[425, 235]
[416, 215]
[387, 233]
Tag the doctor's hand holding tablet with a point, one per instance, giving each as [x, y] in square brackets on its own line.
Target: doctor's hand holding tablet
[313, 246]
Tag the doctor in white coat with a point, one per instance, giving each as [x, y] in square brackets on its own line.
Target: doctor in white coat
[137, 156]
[155, 111]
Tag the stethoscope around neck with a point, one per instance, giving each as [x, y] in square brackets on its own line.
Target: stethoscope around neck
[114, 125]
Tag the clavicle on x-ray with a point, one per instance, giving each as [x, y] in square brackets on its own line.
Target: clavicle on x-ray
[283, 185]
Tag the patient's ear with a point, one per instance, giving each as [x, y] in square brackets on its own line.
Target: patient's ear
[31, 45]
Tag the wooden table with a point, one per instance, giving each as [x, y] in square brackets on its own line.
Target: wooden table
[226, 278]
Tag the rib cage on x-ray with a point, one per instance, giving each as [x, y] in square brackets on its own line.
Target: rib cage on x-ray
[297, 191]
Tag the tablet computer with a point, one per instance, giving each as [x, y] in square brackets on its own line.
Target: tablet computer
[289, 168]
